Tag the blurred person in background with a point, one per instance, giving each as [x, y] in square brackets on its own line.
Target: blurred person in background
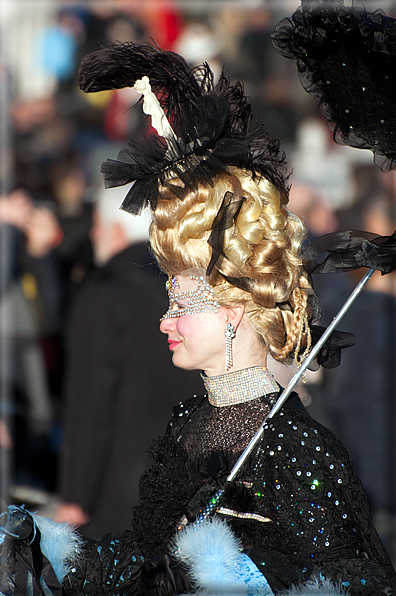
[30, 319]
[54, 131]
[70, 190]
[366, 382]
[113, 405]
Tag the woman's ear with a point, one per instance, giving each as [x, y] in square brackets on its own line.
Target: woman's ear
[234, 314]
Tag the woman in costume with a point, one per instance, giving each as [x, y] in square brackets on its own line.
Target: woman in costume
[296, 514]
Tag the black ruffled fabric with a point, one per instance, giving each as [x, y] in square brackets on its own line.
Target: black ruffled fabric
[349, 250]
[110, 567]
[346, 57]
[24, 568]
[330, 355]
[212, 123]
[172, 474]
[299, 476]
[164, 575]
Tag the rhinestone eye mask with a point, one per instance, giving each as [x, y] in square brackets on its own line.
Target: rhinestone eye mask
[201, 298]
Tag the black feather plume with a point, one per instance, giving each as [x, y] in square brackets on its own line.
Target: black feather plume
[212, 124]
[120, 65]
[346, 58]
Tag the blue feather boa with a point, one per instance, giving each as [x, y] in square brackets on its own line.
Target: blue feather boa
[217, 565]
[60, 543]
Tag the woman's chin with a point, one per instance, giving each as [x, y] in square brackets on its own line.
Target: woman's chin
[178, 362]
[181, 363]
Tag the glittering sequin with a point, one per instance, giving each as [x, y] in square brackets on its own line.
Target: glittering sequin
[241, 515]
[292, 485]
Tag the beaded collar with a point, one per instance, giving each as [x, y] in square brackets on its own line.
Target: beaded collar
[239, 386]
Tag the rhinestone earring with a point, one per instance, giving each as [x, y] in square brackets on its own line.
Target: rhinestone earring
[229, 335]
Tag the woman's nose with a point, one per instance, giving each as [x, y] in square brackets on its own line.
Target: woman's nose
[167, 325]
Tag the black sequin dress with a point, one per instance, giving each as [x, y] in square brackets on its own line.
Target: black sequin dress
[297, 506]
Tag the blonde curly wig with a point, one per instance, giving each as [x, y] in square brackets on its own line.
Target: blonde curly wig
[263, 245]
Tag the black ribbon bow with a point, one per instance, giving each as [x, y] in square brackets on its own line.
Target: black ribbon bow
[349, 250]
[24, 568]
[224, 219]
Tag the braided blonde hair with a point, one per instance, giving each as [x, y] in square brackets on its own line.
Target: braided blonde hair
[262, 245]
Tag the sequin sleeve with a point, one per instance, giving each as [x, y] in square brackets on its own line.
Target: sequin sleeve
[304, 482]
[110, 567]
[300, 483]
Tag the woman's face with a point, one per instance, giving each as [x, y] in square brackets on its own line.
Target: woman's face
[195, 325]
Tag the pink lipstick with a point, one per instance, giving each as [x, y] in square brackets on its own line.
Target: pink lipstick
[172, 343]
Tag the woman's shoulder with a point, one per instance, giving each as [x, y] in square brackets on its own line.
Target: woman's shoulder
[295, 435]
[183, 411]
[295, 417]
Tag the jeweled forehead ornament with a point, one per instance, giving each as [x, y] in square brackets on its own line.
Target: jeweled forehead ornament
[201, 298]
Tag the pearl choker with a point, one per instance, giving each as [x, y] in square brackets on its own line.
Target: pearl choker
[239, 386]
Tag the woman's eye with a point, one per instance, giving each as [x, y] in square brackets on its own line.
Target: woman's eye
[177, 307]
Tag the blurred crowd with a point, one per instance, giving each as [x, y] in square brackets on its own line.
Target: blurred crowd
[53, 246]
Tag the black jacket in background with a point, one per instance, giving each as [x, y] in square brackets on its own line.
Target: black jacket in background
[120, 386]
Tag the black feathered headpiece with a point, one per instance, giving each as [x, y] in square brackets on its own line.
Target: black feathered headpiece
[346, 57]
[212, 125]
[211, 129]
